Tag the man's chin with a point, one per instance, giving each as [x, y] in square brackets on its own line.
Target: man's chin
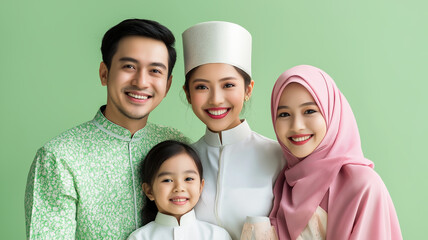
[136, 117]
[133, 115]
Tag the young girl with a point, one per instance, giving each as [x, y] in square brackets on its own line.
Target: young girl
[240, 165]
[172, 183]
[328, 189]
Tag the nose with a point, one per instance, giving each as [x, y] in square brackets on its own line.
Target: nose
[141, 79]
[297, 123]
[216, 97]
[178, 187]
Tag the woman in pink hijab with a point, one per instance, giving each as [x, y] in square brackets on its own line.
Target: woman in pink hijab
[328, 190]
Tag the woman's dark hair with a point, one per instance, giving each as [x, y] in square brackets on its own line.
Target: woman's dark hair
[152, 163]
[142, 28]
[247, 78]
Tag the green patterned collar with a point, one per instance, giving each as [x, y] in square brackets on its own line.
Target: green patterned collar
[115, 130]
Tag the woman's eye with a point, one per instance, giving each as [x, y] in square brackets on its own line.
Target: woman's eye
[283, 114]
[201, 87]
[228, 85]
[310, 111]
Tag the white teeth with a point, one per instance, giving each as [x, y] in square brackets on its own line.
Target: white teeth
[300, 139]
[138, 96]
[179, 200]
[217, 112]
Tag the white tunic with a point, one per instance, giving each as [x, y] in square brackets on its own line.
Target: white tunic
[166, 227]
[239, 176]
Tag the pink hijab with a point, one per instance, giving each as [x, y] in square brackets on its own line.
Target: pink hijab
[359, 206]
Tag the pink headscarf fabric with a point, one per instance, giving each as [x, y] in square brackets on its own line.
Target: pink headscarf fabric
[359, 205]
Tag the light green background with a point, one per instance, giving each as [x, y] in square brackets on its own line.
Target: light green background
[377, 52]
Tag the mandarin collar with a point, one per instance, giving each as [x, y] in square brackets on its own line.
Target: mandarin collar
[171, 221]
[115, 130]
[230, 136]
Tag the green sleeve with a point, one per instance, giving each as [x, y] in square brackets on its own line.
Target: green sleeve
[50, 199]
[170, 133]
[184, 139]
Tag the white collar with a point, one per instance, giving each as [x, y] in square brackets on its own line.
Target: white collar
[230, 136]
[168, 220]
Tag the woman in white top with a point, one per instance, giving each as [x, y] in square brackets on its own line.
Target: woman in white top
[240, 165]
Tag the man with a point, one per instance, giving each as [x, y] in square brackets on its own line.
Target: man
[85, 184]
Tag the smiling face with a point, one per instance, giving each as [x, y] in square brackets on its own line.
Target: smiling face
[176, 186]
[299, 124]
[216, 93]
[137, 80]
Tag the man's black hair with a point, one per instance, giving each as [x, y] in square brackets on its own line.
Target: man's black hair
[138, 27]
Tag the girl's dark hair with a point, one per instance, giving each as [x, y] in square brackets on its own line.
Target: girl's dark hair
[247, 78]
[152, 163]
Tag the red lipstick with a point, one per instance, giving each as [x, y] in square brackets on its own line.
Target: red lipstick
[300, 139]
[217, 113]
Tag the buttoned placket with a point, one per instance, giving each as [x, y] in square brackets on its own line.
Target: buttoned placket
[133, 182]
[219, 193]
[121, 133]
[231, 136]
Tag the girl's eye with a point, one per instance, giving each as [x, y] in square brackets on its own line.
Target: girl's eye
[228, 85]
[200, 87]
[310, 111]
[167, 180]
[189, 179]
[283, 114]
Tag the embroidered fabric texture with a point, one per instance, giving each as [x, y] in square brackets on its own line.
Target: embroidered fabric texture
[258, 231]
[317, 226]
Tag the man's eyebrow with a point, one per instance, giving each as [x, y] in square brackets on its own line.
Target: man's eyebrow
[128, 59]
[154, 64]
[158, 64]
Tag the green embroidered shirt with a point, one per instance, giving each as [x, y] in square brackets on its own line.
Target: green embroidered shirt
[85, 183]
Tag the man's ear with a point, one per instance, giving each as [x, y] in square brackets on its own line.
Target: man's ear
[187, 94]
[168, 84]
[103, 73]
[148, 191]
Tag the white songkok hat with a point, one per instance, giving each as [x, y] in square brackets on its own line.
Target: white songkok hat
[217, 42]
